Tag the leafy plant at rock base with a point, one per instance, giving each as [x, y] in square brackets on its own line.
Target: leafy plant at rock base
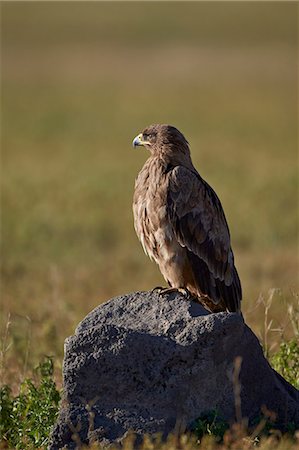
[210, 423]
[286, 361]
[26, 420]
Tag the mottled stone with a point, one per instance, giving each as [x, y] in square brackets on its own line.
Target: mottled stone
[149, 364]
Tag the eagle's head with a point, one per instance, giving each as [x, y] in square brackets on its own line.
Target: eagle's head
[162, 140]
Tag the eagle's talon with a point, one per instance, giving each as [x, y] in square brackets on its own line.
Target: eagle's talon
[187, 294]
[166, 291]
[157, 289]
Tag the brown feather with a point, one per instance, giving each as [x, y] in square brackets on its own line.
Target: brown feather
[181, 224]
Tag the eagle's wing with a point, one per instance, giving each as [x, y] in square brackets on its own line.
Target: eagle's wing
[199, 225]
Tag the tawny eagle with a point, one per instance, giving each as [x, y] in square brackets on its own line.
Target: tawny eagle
[181, 224]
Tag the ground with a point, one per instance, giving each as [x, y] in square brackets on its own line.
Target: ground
[78, 83]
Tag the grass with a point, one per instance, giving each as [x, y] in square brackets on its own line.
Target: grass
[78, 83]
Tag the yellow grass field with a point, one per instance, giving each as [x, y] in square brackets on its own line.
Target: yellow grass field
[79, 81]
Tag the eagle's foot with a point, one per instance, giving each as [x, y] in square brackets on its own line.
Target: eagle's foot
[166, 291]
[157, 289]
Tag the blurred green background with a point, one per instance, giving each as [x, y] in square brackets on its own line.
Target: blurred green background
[79, 81]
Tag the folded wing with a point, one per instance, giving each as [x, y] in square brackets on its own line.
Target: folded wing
[199, 225]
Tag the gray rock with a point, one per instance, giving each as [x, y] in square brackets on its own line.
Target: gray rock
[149, 364]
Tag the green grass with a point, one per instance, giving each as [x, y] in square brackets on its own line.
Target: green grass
[78, 83]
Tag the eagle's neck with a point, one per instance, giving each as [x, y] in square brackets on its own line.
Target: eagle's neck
[172, 156]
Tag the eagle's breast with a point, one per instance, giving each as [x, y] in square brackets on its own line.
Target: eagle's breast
[151, 221]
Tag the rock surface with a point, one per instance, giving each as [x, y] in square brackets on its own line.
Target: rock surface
[149, 364]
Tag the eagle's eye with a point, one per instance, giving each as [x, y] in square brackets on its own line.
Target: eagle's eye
[150, 136]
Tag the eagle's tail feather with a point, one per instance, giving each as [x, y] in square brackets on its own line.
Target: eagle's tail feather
[224, 297]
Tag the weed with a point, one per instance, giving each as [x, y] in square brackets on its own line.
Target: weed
[212, 424]
[27, 418]
[286, 361]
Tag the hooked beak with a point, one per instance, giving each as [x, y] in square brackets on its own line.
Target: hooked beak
[139, 141]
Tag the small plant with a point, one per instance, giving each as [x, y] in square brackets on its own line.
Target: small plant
[286, 361]
[210, 423]
[26, 420]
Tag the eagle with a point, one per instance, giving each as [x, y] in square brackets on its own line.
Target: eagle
[181, 225]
